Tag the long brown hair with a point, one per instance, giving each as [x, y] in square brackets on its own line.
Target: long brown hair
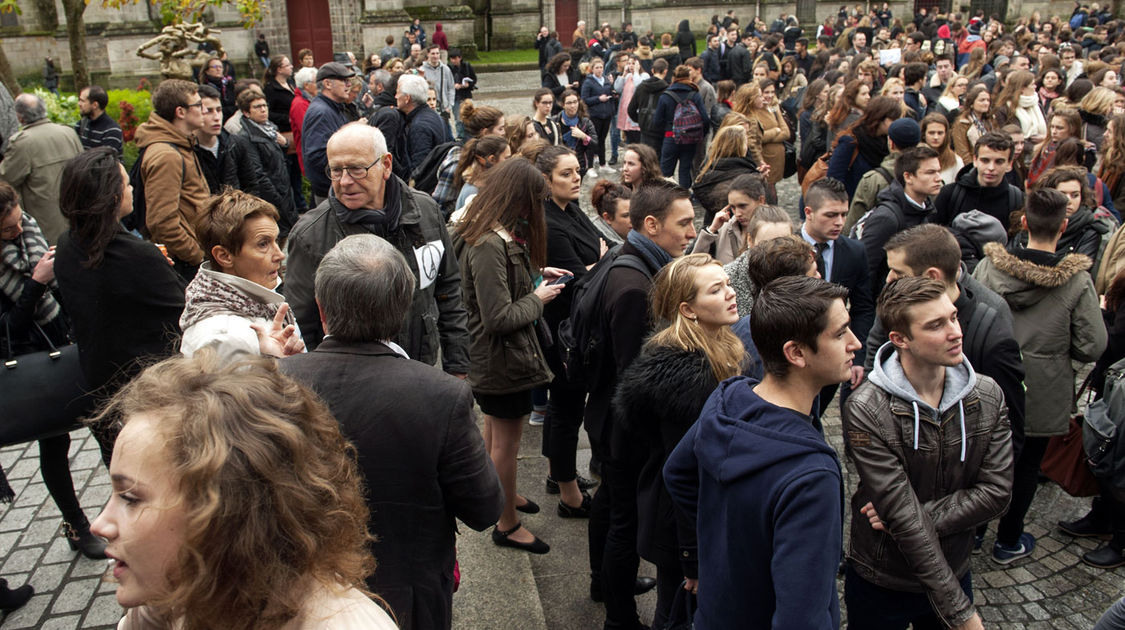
[844, 103]
[674, 285]
[473, 163]
[946, 156]
[272, 495]
[1113, 161]
[513, 199]
[879, 109]
[730, 141]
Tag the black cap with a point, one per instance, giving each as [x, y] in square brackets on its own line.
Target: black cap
[334, 70]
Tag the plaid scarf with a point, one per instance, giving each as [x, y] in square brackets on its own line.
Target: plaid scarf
[18, 258]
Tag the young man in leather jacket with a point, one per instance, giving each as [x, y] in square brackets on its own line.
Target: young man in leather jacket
[931, 442]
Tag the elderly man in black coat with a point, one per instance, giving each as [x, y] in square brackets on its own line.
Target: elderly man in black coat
[412, 425]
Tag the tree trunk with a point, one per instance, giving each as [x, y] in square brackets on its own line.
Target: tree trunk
[6, 75]
[76, 35]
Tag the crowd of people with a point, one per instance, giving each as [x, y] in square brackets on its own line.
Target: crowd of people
[957, 255]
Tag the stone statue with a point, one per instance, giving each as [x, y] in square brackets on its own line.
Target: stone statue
[177, 59]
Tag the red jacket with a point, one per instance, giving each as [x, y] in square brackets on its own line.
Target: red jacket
[297, 111]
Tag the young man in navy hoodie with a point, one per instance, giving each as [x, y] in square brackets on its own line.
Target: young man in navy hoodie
[762, 485]
[931, 443]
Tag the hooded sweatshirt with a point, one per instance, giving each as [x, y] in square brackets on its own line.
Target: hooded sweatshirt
[933, 473]
[766, 494]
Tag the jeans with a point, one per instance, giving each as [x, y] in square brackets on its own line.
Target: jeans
[873, 607]
[1114, 618]
[614, 136]
[1025, 481]
[670, 154]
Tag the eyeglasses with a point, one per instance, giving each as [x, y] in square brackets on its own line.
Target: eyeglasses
[355, 172]
[198, 104]
[259, 106]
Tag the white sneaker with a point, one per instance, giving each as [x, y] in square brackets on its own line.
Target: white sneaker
[536, 419]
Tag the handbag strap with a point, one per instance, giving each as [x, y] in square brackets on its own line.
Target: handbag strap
[10, 361]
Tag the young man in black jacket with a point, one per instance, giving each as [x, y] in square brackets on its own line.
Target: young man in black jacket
[982, 185]
[644, 98]
[662, 218]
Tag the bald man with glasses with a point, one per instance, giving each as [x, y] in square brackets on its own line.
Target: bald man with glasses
[367, 198]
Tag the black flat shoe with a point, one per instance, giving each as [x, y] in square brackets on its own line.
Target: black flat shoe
[640, 587]
[500, 539]
[14, 598]
[584, 484]
[531, 507]
[582, 511]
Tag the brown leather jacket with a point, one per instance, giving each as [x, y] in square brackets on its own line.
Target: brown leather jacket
[929, 496]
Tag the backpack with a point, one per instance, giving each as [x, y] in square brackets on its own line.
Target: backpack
[581, 337]
[1103, 426]
[1015, 199]
[136, 220]
[900, 220]
[857, 229]
[647, 111]
[687, 123]
[425, 175]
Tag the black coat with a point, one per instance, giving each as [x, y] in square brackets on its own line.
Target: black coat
[573, 243]
[423, 461]
[551, 82]
[850, 269]
[712, 187]
[274, 187]
[279, 99]
[125, 310]
[658, 398]
[648, 88]
[235, 166]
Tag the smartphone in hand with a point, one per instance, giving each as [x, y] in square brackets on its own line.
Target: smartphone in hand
[560, 280]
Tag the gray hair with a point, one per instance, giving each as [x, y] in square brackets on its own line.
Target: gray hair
[413, 86]
[30, 108]
[304, 77]
[364, 288]
[383, 78]
[355, 133]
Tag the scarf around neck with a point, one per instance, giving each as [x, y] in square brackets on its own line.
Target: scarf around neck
[267, 128]
[18, 258]
[872, 148]
[211, 293]
[378, 222]
[566, 122]
[653, 254]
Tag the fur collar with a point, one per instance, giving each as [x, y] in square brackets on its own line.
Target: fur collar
[1049, 277]
[663, 384]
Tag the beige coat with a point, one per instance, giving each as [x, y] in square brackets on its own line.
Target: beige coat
[175, 188]
[774, 134]
[33, 165]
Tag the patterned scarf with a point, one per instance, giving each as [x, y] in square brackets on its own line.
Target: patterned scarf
[267, 128]
[208, 295]
[18, 258]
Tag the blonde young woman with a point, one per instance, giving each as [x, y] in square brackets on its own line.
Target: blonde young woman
[661, 394]
[1095, 110]
[1018, 102]
[949, 103]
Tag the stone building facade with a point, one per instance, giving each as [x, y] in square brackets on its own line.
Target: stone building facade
[328, 26]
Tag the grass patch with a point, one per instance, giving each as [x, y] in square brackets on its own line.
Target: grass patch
[507, 56]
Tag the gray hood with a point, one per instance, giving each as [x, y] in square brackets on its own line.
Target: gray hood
[959, 381]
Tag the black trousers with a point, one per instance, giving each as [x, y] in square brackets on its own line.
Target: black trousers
[613, 530]
[565, 409]
[601, 127]
[54, 466]
[1025, 481]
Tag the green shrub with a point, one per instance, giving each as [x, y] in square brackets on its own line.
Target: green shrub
[141, 100]
[60, 109]
[129, 155]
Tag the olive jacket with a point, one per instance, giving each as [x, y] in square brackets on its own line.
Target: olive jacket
[499, 295]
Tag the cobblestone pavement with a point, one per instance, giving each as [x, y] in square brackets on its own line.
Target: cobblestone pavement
[1050, 590]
